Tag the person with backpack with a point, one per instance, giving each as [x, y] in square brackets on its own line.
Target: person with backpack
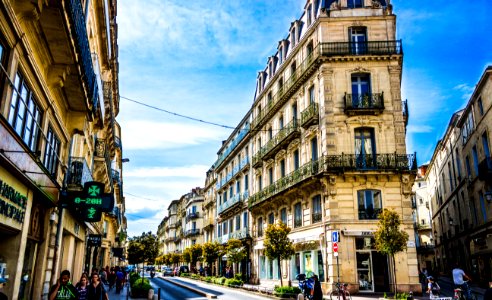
[433, 289]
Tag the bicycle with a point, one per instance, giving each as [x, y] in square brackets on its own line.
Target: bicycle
[341, 293]
[460, 294]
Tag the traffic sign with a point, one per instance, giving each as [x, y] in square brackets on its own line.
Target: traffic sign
[335, 247]
[335, 237]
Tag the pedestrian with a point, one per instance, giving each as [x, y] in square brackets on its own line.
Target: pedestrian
[317, 291]
[112, 278]
[119, 280]
[433, 289]
[460, 280]
[2, 295]
[96, 290]
[82, 286]
[104, 276]
[63, 289]
[488, 292]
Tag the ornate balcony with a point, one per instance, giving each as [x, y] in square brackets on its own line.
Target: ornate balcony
[257, 161]
[369, 213]
[485, 169]
[362, 48]
[192, 232]
[364, 103]
[404, 106]
[310, 115]
[78, 173]
[235, 201]
[230, 175]
[317, 216]
[281, 139]
[240, 234]
[297, 223]
[337, 164]
[242, 133]
[192, 215]
[208, 223]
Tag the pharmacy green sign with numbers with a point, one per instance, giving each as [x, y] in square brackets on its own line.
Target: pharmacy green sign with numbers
[91, 202]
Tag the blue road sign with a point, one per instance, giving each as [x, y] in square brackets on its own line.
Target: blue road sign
[335, 237]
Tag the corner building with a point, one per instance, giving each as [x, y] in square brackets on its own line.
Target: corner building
[326, 142]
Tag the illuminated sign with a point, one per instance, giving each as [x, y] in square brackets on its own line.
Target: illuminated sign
[91, 202]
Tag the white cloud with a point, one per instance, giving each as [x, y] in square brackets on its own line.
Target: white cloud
[147, 134]
[465, 89]
[184, 171]
[419, 129]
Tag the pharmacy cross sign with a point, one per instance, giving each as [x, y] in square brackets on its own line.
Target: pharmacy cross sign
[91, 202]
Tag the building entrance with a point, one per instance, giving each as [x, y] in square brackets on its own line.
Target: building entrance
[367, 258]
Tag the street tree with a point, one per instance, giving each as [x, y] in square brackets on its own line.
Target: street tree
[175, 258]
[390, 239]
[235, 250]
[186, 256]
[278, 245]
[196, 253]
[211, 251]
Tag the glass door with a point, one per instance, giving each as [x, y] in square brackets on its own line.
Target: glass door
[364, 271]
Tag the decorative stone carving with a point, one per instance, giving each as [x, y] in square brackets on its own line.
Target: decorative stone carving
[406, 185]
[100, 147]
[359, 69]
[376, 4]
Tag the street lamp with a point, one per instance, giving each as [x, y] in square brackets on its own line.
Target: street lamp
[488, 196]
[125, 160]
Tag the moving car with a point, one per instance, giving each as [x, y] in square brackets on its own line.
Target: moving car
[167, 271]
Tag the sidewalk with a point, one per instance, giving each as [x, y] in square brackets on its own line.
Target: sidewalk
[113, 296]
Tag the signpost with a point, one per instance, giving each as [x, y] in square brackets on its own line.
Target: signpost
[335, 252]
[91, 202]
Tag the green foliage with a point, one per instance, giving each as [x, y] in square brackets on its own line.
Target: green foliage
[233, 282]
[143, 249]
[277, 244]
[140, 287]
[389, 238]
[186, 256]
[219, 280]
[286, 291]
[175, 258]
[133, 277]
[195, 276]
[236, 252]
[196, 252]
[208, 279]
[182, 274]
[211, 251]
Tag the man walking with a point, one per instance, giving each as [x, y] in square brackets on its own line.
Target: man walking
[63, 289]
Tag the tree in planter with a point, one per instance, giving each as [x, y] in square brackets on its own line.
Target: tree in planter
[211, 251]
[235, 251]
[278, 245]
[389, 238]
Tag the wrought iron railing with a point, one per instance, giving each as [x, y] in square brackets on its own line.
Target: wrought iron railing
[369, 213]
[231, 202]
[362, 48]
[297, 223]
[192, 215]
[243, 163]
[77, 20]
[242, 133]
[317, 217]
[78, 172]
[256, 160]
[288, 130]
[240, 234]
[337, 163]
[310, 113]
[192, 232]
[364, 101]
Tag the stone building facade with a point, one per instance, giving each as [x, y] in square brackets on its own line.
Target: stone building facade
[58, 104]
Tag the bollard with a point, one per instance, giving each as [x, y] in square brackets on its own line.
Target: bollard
[150, 296]
[159, 294]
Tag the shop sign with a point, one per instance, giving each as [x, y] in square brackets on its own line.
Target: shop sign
[94, 240]
[357, 233]
[91, 202]
[9, 210]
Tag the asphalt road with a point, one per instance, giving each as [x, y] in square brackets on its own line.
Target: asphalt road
[171, 291]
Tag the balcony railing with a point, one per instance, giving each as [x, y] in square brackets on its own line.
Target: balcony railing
[242, 133]
[369, 213]
[337, 163]
[364, 103]
[257, 161]
[297, 223]
[243, 163]
[78, 173]
[310, 115]
[192, 215]
[192, 232]
[238, 198]
[485, 169]
[285, 134]
[77, 20]
[362, 48]
[317, 217]
[240, 234]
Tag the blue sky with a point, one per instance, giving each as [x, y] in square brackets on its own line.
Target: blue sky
[200, 58]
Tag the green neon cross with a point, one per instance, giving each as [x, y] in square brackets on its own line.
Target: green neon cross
[94, 190]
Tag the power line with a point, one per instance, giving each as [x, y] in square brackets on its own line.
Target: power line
[154, 200]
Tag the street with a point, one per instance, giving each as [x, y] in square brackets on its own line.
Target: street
[172, 291]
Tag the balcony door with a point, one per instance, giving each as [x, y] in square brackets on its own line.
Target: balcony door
[361, 90]
[365, 148]
[358, 39]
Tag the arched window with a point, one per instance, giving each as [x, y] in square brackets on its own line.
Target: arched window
[370, 204]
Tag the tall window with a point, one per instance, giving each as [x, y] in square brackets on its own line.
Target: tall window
[282, 168]
[246, 182]
[355, 3]
[309, 12]
[317, 214]
[294, 111]
[260, 227]
[224, 228]
[483, 206]
[365, 148]
[451, 178]
[245, 219]
[311, 95]
[271, 218]
[270, 133]
[281, 122]
[238, 222]
[480, 106]
[485, 145]
[25, 114]
[296, 159]
[370, 204]
[468, 168]
[238, 186]
[283, 215]
[475, 159]
[358, 40]
[260, 183]
[270, 176]
[314, 149]
[458, 165]
[361, 90]
[51, 152]
[297, 215]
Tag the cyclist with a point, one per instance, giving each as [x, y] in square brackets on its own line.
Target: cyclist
[460, 281]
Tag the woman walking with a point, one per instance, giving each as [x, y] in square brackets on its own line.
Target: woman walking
[82, 286]
[96, 289]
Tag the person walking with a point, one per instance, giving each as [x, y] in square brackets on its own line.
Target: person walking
[96, 290]
[82, 286]
[433, 289]
[2, 295]
[317, 291]
[488, 292]
[63, 289]
[460, 280]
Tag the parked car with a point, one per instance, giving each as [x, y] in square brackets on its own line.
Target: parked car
[167, 271]
[184, 269]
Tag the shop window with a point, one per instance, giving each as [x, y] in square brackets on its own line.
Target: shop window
[51, 152]
[370, 204]
[25, 114]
